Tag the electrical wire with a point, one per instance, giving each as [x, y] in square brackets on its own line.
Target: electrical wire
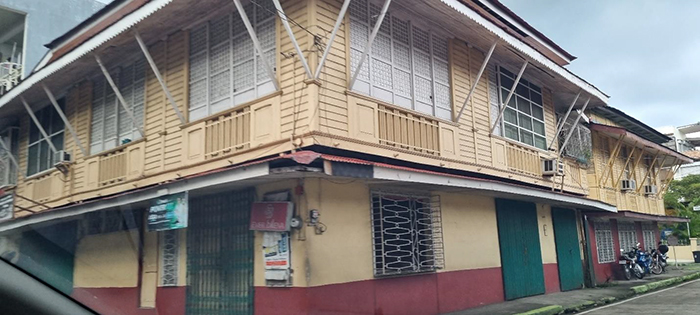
[285, 16]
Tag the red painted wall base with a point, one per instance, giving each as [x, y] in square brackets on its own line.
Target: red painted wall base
[169, 300]
[421, 294]
[551, 278]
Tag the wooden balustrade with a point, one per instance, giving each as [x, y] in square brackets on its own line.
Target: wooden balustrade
[227, 133]
[113, 168]
[42, 188]
[523, 160]
[403, 129]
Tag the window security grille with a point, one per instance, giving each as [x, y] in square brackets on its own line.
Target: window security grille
[170, 243]
[8, 171]
[111, 126]
[225, 69]
[604, 242]
[580, 145]
[649, 234]
[39, 154]
[628, 235]
[407, 66]
[406, 233]
[523, 119]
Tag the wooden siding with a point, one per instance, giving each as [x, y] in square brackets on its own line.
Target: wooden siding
[604, 182]
[303, 113]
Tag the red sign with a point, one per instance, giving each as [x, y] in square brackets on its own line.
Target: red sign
[271, 216]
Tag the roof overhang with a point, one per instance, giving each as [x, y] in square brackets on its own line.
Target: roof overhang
[634, 139]
[690, 128]
[636, 216]
[525, 51]
[630, 123]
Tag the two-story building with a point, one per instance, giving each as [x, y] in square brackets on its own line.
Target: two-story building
[307, 156]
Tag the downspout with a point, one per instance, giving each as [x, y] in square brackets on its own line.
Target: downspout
[589, 274]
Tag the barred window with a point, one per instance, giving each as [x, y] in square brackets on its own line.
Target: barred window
[604, 242]
[649, 234]
[627, 234]
[407, 65]
[406, 233]
[225, 69]
[580, 145]
[39, 154]
[169, 254]
[523, 119]
[111, 126]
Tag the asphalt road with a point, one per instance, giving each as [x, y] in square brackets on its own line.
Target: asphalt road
[678, 300]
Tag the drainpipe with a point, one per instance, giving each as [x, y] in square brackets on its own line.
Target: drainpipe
[589, 277]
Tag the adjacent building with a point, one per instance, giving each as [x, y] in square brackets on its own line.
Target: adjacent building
[318, 156]
[686, 139]
[26, 25]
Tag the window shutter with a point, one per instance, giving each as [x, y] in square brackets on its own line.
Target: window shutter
[98, 111]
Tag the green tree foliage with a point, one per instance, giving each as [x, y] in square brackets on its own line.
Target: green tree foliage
[682, 195]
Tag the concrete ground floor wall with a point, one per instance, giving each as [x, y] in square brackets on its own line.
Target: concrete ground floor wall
[333, 269]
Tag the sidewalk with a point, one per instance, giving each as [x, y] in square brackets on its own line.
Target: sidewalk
[572, 301]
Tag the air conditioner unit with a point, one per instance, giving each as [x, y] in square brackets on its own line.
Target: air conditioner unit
[650, 190]
[552, 167]
[61, 157]
[628, 185]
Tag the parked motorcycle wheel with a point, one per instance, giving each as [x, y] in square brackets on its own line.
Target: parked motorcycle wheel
[638, 272]
[656, 269]
[628, 272]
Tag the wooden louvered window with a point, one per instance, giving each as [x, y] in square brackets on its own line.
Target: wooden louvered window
[408, 64]
[225, 69]
[111, 126]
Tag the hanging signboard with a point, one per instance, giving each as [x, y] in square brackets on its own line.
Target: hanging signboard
[276, 250]
[696, 208]
[168, 212]
[271, 216]
[6, 206]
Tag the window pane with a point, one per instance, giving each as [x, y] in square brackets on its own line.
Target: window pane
[33, 160]
[540, 142]
[43, 156]
[58, 141]
[522, 90]
[538, 127]
[56, 121]
[537, 112]
[510, 116]
[34, 134]
[525, 121]
[506, 83]
[526, 137]
[536, 98]
[511, 132]
[523, 105]
[504, 95]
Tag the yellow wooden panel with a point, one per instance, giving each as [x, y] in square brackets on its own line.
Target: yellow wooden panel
[93, 172]
[448, 140]
[135, 155]
[56, 182]
[113, 266]
[499, 153]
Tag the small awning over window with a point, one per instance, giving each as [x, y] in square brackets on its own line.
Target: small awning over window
[638, 216]
[635, 140]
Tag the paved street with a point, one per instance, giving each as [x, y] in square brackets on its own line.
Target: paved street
[682, 299]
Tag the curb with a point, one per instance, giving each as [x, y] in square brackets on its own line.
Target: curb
[640, 289]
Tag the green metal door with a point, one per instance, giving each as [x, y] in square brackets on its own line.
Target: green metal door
[220, 254]
[568, 253]
[521, 256]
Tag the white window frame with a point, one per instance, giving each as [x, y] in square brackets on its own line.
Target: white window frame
[367, 82]
[261, 84]
[501, 90]
[136, 104]
[605, 245]
[51, 133]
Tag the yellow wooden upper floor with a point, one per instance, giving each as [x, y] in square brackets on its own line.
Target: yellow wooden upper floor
[171, 89]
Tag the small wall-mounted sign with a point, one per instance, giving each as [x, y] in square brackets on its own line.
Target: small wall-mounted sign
[168, 212]
[274, 216]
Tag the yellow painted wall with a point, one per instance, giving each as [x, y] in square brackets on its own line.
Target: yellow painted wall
[546, 231]
[107, 260]
[470, 231]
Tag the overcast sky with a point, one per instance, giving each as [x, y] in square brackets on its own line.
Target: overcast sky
[645, 54]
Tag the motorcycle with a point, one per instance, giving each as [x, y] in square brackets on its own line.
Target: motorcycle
[643, 259]
[658, 262]
[629, 265]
